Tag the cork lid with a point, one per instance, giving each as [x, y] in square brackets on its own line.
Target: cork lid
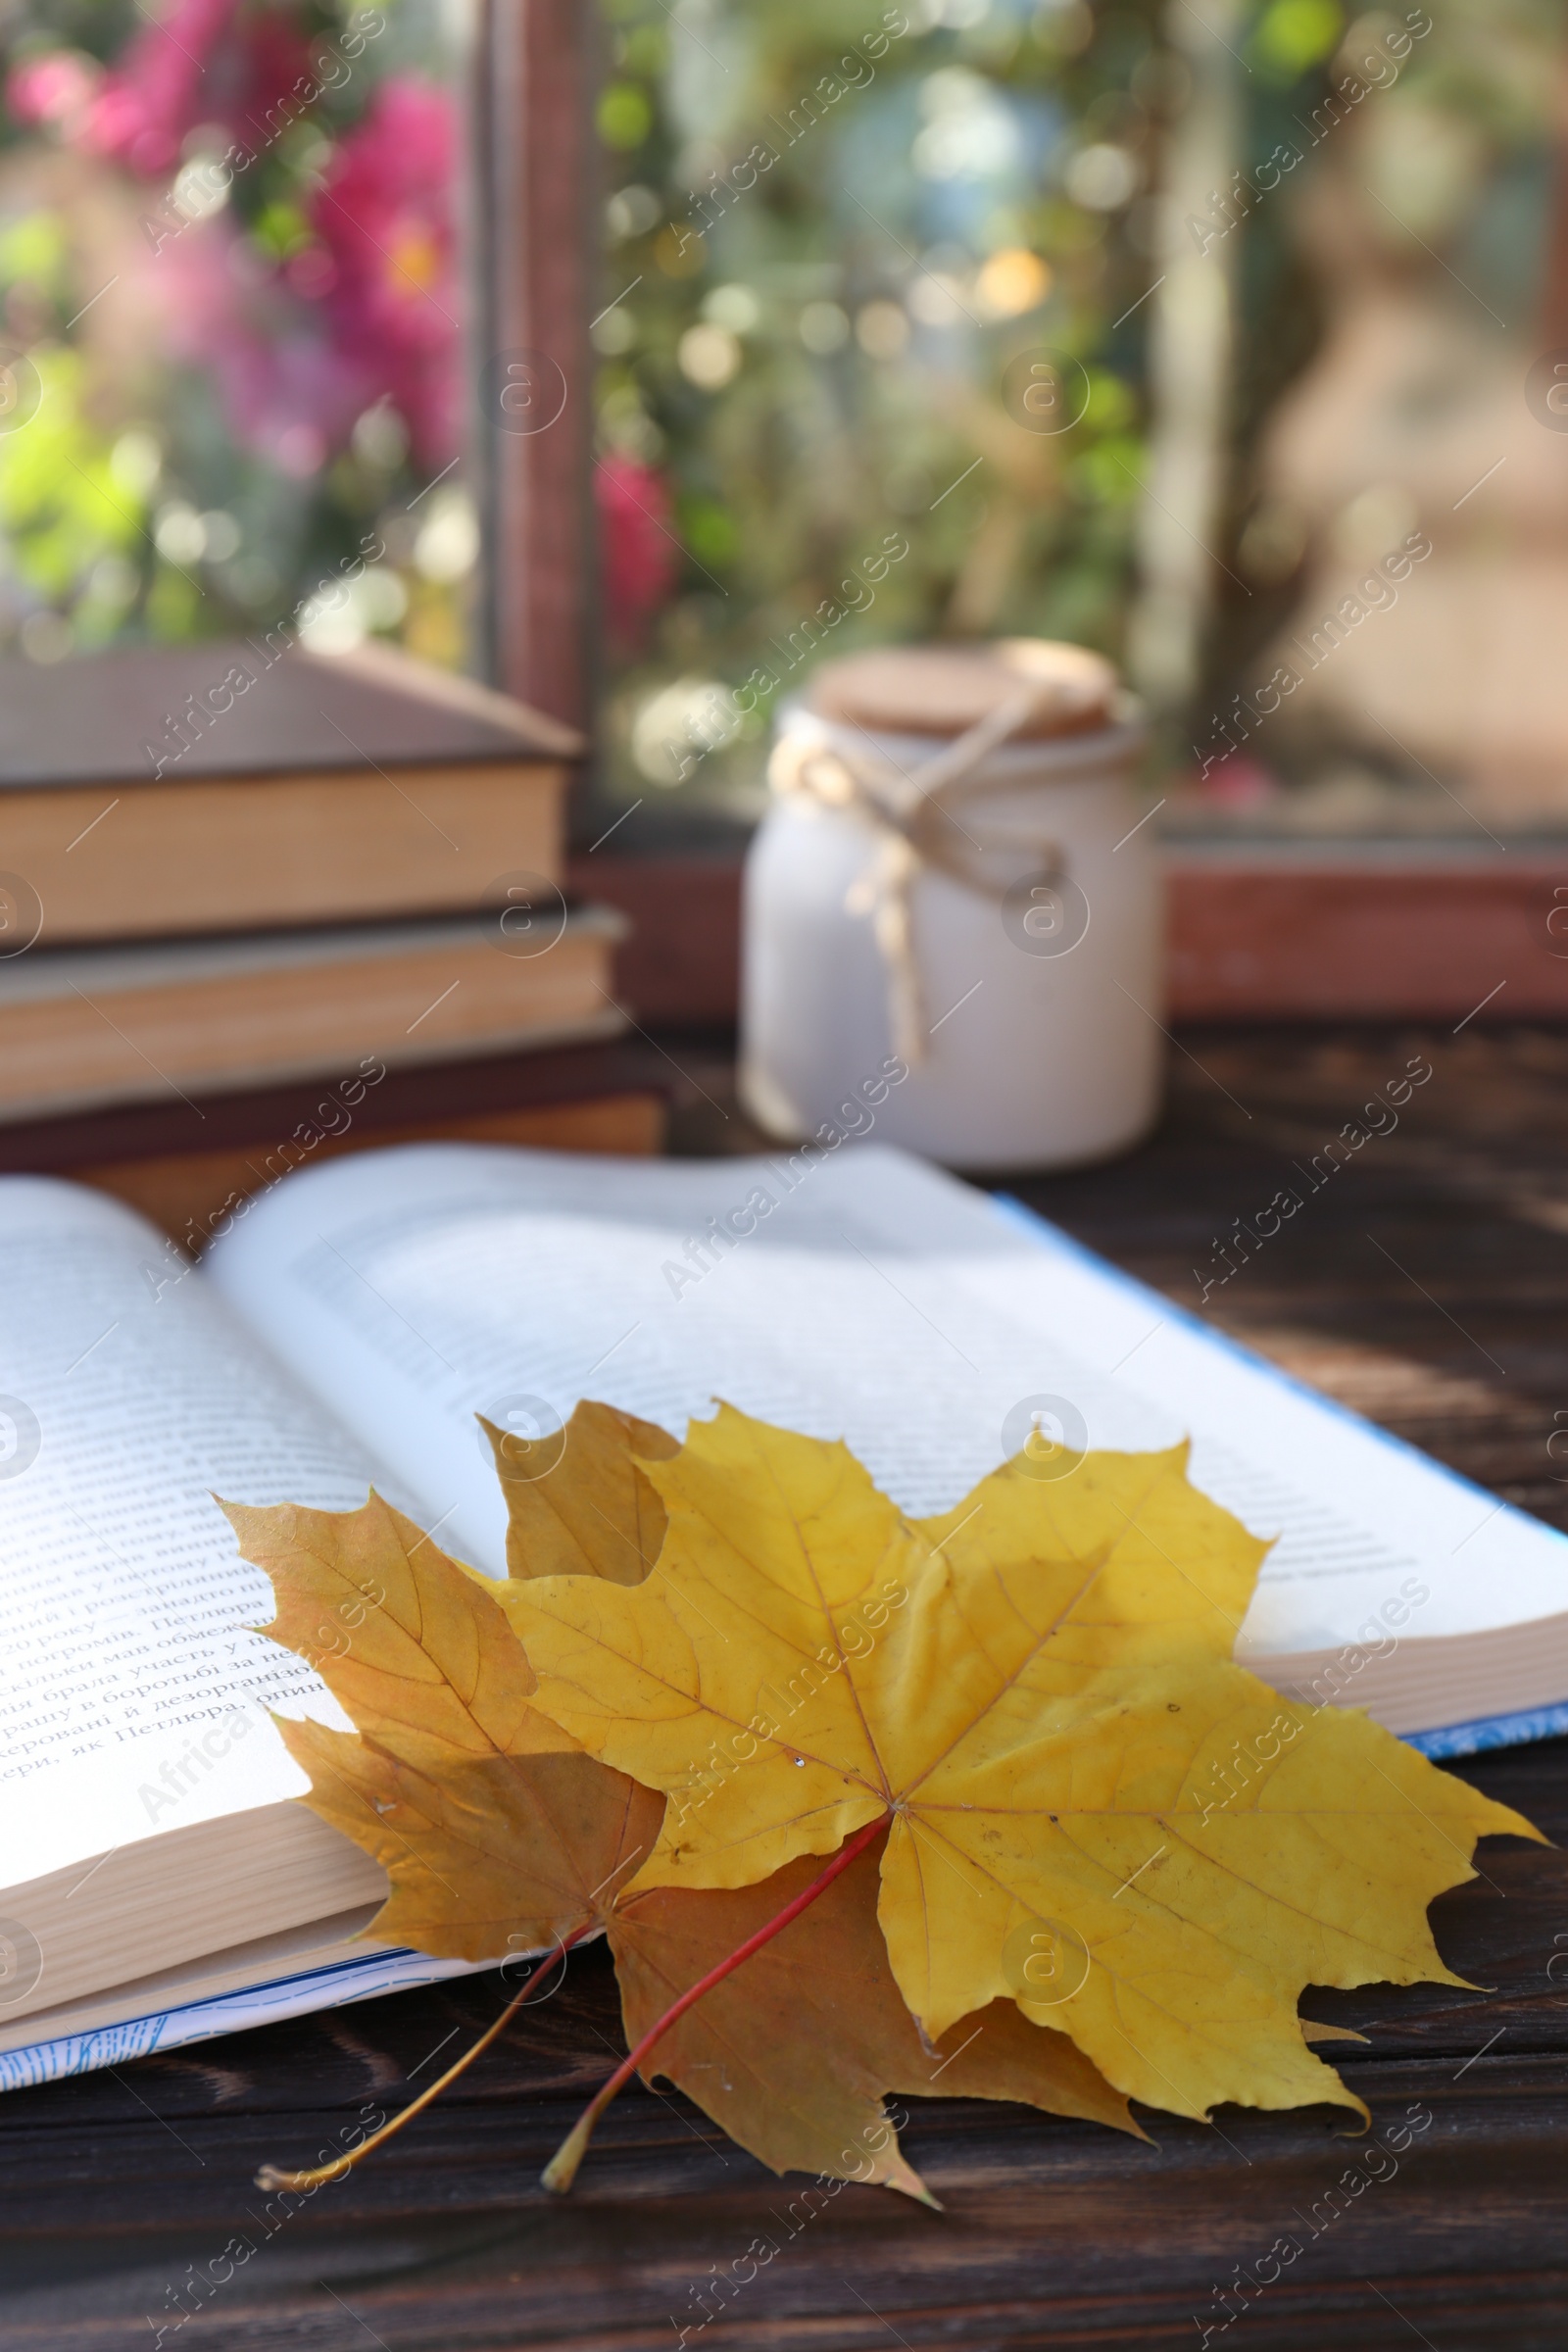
[945, 690]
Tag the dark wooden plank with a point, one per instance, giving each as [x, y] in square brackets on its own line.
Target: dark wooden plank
[118, 2190]
[1050, 2232]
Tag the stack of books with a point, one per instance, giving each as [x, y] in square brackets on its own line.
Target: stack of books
[258, 908]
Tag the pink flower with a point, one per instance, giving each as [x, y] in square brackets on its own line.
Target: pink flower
[640, 557]
[155, 94]
[203, 62]
[384, 214]
[56, 88]
[287, 392]
[1237, 782]
[367, 310]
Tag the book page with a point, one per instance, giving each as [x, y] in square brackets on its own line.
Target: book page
[132, 1699]
[856, 1295]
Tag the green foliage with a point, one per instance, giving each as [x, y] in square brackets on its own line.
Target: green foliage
[1293, 36]
[61, 505]
[34, 250]
[281, 229]
[625, 116]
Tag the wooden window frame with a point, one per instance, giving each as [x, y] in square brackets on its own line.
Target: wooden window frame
[536, 221]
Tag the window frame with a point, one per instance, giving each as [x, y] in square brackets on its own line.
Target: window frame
[536, 66]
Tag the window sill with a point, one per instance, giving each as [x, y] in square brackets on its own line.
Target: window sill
[1257, 932]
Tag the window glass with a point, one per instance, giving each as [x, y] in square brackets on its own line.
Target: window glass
[869, 347]
[1230, 338]
[232, 389]
[1392, 589]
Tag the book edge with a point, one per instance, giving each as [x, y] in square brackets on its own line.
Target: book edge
[1467, 1737]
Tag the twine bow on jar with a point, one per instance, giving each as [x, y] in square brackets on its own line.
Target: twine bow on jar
[914, 819]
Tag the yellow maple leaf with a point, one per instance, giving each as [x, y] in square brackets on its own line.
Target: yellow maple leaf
[1035, 1691]
[580, 1502]
[498, 1836]
[493, 1827]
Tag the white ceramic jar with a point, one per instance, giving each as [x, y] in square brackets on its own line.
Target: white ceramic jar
[954, 937]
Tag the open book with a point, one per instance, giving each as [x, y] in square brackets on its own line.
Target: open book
[157, 1885]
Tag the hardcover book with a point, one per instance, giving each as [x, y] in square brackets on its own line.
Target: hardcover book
[242, 786]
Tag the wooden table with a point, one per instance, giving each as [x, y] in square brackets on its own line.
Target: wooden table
[1426, 1284]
